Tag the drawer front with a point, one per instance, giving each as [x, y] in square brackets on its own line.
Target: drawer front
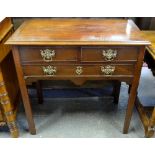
[48, 54]
[78, 70]
[90, 54]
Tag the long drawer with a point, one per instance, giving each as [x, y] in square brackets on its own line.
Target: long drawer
[78, 70]
[48, 54]
[110, 54]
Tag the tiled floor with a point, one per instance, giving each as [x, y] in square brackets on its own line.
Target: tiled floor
[87, 116]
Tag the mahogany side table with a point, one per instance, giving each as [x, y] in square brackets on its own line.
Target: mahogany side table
[78, 50]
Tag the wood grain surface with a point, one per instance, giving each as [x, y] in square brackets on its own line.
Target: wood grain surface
[77, 32]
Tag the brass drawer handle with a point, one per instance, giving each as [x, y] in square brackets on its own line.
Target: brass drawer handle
[47, 54]
[49, 70]
[108, 70]
[79, 70]
[109, 54]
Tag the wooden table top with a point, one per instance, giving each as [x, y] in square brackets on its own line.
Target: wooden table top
[150, 35]
[77, 32]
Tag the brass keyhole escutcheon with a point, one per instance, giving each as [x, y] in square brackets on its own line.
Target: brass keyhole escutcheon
[79, 70]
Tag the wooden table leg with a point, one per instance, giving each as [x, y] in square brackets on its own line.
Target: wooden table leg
[116, 91]
[152, 120]
[131, 101]
[133, 90]
[151, 126]
[24, 92]
[129, 89]
[39, 92]
[7, 108]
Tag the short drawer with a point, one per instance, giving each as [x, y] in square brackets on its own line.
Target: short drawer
[99, 54]
[48, 54]
[78, 70]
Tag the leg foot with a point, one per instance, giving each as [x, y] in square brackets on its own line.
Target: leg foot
[33, 131]
[149, 132]
[13, 129]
